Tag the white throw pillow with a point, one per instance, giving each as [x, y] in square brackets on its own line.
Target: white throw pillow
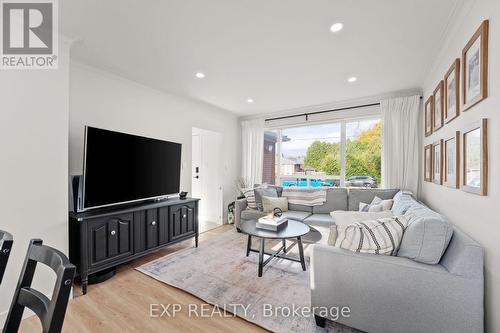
[250, 196]
[344, 218]
[377, 205]
[386, 204]
[364, 207]
[381, 236]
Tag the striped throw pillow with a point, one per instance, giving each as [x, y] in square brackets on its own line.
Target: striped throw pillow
[380, 236]
[250, 196]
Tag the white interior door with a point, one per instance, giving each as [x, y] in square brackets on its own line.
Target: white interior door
[207, 173]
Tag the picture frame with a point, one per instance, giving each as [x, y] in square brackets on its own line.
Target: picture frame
[429, 111]
[475, 68]
[475, 158]
[438, 114]
[437, 162]
[428, 163]
[452, 92]
[451, 173]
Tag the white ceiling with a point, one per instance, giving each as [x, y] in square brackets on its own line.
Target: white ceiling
[278, 52]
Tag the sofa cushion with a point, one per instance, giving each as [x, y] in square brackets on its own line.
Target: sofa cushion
[336, 199]
[300, 208]
[270, 203]
[357, 195]
[251, 214]
[428, 233]
[297, 216]
[261, 192]
[320, 220]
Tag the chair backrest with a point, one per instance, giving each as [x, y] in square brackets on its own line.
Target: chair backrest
[5, 247]
[50, 311]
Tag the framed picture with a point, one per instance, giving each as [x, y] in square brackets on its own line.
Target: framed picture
[475, 158]
[429, 109]
[452, 161]
[438, 114]
[437, 162]
[475, 68]
[428, 163]
[452, 92]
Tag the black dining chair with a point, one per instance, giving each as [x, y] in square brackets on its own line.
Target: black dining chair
[50, 311]
[6, 241]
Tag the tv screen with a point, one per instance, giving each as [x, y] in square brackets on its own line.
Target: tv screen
[121, 168]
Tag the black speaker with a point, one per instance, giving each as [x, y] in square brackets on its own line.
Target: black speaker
[77, 193]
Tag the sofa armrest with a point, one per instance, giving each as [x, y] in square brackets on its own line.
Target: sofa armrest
[372, 286]
[239, 206]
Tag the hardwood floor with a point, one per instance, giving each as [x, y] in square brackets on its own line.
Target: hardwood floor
[122, 304]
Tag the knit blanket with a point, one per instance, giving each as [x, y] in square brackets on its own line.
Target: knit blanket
[308, 196]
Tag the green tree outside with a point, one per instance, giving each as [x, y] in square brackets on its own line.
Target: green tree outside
[363, 156]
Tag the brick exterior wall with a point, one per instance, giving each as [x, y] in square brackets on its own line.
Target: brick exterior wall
[268, 169]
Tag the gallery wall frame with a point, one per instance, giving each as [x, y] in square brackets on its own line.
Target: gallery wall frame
[474, 139]
[452, 92]
[428, 163]
[428, 115]
[437, 162]
[475, 68]
[438, 109]
[451, 170]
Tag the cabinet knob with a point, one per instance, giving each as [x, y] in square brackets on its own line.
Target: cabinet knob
[113, 232]
[184, 216]
[153, 223]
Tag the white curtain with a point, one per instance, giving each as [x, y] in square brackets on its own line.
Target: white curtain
[252, 151]
[401, 149]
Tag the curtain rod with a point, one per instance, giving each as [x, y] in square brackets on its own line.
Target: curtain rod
[307, 114]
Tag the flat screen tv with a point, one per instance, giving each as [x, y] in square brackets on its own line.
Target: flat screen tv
[121, 168]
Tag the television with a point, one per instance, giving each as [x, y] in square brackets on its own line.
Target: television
[122, 168]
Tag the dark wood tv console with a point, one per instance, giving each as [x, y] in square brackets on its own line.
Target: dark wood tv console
[103, 238]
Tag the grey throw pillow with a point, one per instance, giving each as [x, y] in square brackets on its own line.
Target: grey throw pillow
[261, 192]
[269, 203]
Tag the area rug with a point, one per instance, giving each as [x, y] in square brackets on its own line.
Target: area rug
[220, 273]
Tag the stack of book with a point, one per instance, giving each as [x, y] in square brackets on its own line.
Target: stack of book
[272, 223]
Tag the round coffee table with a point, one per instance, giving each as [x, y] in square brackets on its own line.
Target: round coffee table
[294, 229]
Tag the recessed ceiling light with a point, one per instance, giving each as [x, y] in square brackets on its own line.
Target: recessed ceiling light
[250, 100]
[352, 79]
[200, 75]
[336, 27]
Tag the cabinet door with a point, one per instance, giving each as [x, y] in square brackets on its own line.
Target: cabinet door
[163, 225]
[182, 221]
[146, 229]
[152, 228]
[109, 238]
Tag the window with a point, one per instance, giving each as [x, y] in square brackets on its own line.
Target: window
[363, 155]
[333, 154]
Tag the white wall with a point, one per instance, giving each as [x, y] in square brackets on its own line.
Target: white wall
[100, 99]
[33, 166]
[474, 214]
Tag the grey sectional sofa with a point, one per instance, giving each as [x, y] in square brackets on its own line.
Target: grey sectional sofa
[429, 287]
[336, 199]
[434, 284]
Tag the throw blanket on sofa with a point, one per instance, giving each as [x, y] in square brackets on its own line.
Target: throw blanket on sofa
[308, 196]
